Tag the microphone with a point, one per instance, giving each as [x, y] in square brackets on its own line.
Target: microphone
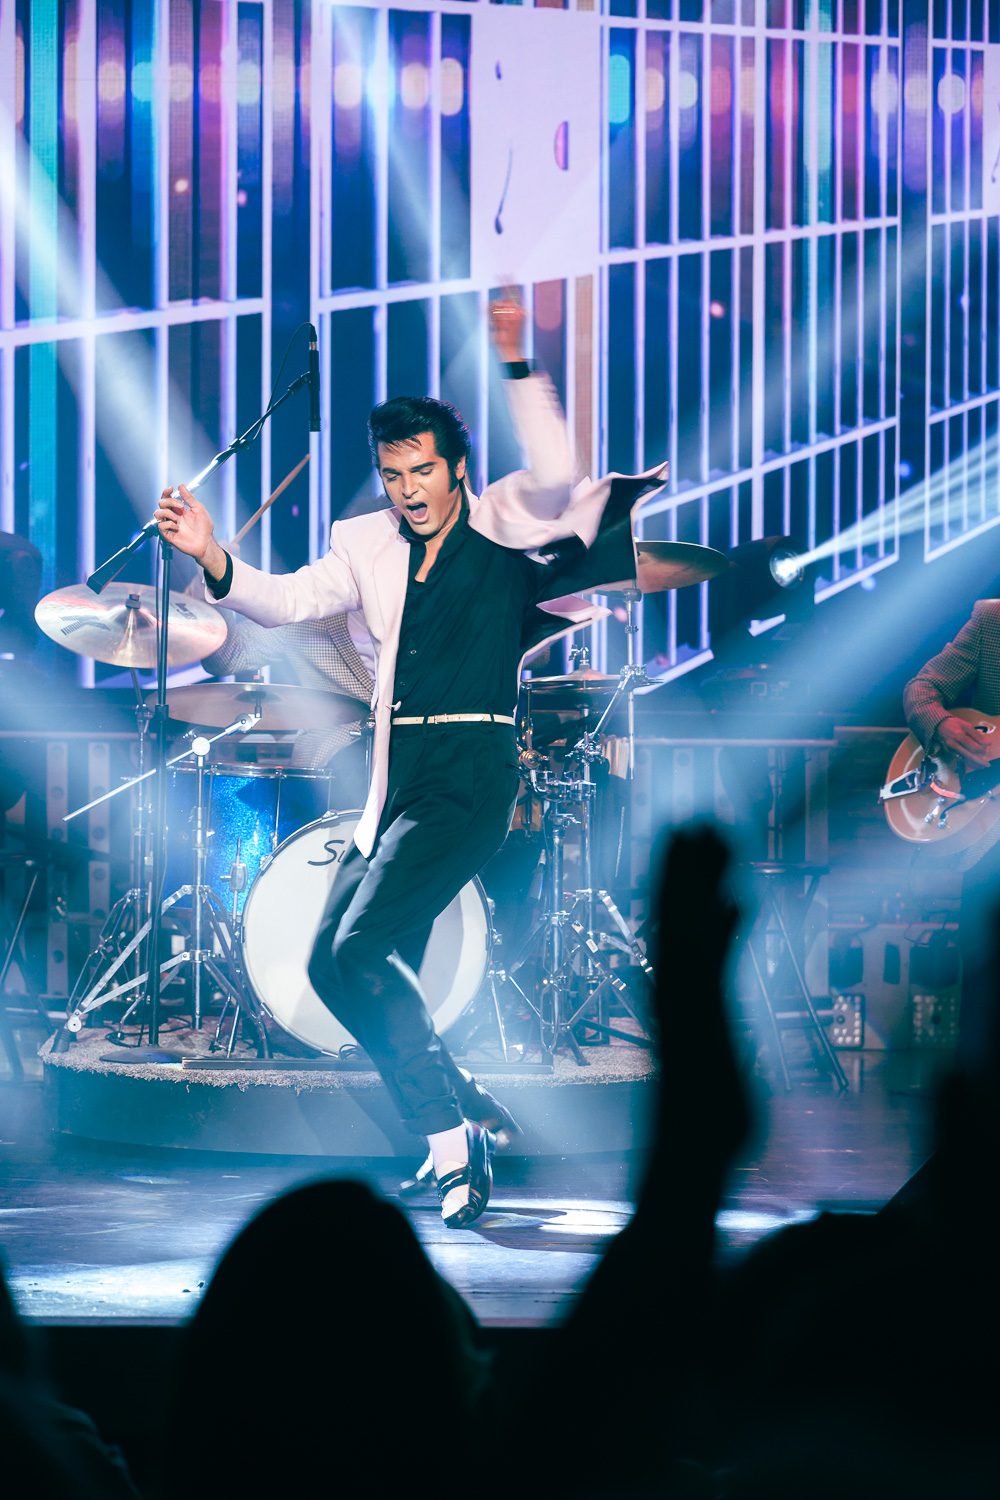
[313, 380]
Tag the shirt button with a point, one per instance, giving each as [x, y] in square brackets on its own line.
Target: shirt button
[413, 650]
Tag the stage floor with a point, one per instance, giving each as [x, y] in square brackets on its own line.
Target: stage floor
[91, 1231]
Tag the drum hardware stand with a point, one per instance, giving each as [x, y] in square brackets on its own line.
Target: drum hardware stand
[237, 880]
[495, 979]
[205, 904]
[564, 937]
[629, 942]
[587, 751]
[497, 976]
[633, 675]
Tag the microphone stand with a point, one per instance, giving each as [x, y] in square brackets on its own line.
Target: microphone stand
[99, 579]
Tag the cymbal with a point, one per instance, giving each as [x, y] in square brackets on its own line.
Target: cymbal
[118, 625]
[670, 565]
[281, 705]
[587, 681]
[576, 690]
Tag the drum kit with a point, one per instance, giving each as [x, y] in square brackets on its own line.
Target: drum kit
[255, 849]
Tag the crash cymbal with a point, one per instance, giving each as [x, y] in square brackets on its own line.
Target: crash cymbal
[671, 565]
[118, 625]
[281, 705]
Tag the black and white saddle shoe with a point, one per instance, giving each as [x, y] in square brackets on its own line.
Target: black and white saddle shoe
[479, 1105]
[478, 1174]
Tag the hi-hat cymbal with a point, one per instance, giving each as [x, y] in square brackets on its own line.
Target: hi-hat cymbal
[118, 625]
[587, 681]
[577, 690]
[670, 565]
[281, 705]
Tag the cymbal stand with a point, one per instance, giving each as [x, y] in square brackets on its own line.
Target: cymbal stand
[206, 908]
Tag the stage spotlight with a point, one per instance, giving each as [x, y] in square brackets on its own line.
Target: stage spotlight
[769, 584]
[763, 576]
[786, 568]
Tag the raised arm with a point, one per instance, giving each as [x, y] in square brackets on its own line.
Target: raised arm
[543, 489]
[643, 1322]
[326, 587]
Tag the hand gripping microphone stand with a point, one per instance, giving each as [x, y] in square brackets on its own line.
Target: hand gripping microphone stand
[98, 580]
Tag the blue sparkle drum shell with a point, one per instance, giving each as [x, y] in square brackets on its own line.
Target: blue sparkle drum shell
[249, 811]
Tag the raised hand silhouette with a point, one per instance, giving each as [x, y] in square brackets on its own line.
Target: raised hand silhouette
[637, 1342]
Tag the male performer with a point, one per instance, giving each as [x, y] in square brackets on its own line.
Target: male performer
[966, 674]
[452, 601]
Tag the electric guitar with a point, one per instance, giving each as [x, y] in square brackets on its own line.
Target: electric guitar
[933, 799]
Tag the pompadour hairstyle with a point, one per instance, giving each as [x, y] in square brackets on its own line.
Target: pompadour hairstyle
[407, 417]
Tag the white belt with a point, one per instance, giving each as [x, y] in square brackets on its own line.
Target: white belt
[455, 719]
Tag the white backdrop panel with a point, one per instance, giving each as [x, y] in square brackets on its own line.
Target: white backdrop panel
[536, 82]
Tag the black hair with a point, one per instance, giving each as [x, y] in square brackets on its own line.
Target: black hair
[406, 417]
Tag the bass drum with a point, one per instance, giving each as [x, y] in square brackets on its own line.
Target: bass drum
[281, 917]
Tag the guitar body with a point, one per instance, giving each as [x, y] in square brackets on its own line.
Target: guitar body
[949, 807]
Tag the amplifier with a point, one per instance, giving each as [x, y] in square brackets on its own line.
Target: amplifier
[894, 986]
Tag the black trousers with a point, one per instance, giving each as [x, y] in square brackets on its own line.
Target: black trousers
[450, 799]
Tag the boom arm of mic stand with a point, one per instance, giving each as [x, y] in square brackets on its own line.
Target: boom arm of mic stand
[113, 565]
[241, 726]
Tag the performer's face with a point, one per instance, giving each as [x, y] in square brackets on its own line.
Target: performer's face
[419, 482]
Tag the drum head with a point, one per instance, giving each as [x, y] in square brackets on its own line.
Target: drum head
[281, 918]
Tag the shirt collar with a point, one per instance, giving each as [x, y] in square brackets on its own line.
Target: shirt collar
[455, 535]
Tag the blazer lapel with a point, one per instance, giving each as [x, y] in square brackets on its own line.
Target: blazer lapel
[391, 564]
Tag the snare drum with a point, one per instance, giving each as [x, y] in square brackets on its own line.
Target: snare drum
[249, 809]
[282, 916]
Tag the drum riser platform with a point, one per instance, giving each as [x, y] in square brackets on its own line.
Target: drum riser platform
[346, 1119]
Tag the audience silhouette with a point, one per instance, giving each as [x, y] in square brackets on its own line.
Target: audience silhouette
[852, 1355]
[326, 1353]
[47, 1449]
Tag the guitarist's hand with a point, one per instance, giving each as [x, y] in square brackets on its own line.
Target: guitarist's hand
[958, 737]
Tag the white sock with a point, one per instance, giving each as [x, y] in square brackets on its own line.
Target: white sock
[450, 1150]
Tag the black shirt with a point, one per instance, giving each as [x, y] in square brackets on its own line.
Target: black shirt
[462, 633]
[465, 629]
